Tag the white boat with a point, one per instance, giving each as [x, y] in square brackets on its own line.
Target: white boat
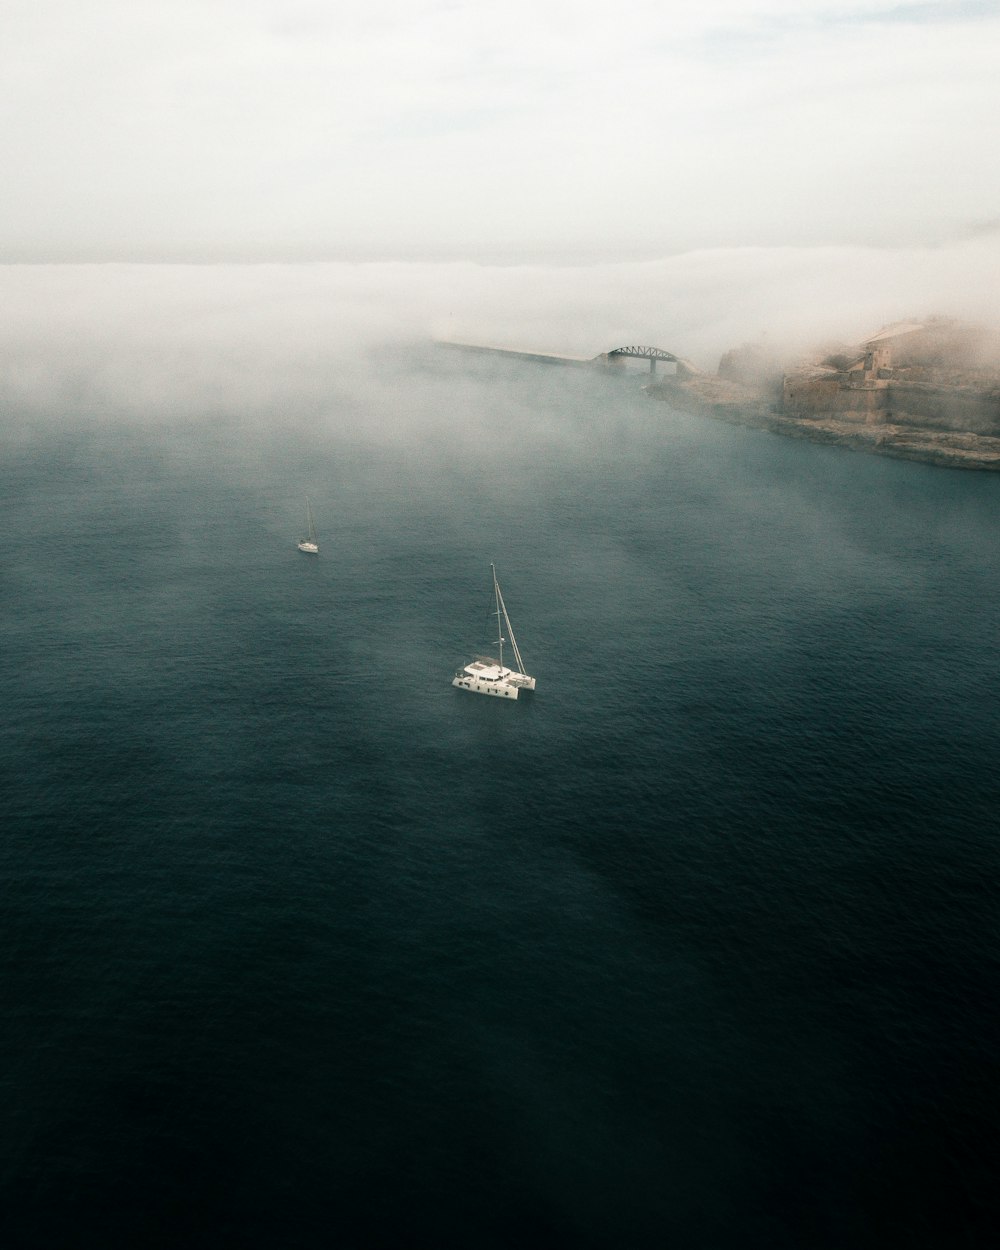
[486, 675]
[309, 545]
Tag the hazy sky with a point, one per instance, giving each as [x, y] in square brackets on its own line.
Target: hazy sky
[305, 129]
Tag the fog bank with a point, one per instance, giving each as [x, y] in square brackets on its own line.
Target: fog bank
[163, 338]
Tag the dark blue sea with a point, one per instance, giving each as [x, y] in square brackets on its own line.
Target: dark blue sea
[699, 947]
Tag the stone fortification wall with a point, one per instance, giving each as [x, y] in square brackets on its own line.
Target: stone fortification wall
[812, 393]
[895, 402]
[830, 394]
[943, 408]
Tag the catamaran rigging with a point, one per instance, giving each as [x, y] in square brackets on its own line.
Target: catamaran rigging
[486, 675]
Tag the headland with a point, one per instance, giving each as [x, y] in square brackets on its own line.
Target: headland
[917, 390]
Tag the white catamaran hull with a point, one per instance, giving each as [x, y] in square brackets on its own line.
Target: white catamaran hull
[490, 679]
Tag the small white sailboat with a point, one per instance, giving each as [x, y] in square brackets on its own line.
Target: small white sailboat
[309, 545]
[485, 675]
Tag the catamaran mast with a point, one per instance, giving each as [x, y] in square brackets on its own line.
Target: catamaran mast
[496, 595]
[502, 613]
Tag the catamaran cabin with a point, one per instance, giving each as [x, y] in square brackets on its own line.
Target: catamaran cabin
[486, 676]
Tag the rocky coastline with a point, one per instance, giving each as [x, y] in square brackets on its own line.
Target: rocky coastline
[954, 449]
[925, 391]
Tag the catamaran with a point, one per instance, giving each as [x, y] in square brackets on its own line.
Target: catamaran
[486, 675]
[309, 545]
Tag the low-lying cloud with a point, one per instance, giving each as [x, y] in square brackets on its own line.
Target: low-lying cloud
[262, 339]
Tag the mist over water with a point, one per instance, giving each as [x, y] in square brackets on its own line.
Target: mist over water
[305, 947]
[256, 339]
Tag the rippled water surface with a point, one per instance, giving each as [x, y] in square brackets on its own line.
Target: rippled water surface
[303, 947]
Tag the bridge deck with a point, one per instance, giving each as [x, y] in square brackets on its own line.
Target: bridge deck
[548, 358]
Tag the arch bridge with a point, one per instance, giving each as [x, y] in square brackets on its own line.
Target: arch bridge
[615, 357]
[652, 354]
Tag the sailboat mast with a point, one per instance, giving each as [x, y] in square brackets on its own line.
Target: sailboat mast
[496, 596]
[505, 619]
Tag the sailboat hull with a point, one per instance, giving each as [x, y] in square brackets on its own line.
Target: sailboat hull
[485, 677]
[497, 690]
[311, 549]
